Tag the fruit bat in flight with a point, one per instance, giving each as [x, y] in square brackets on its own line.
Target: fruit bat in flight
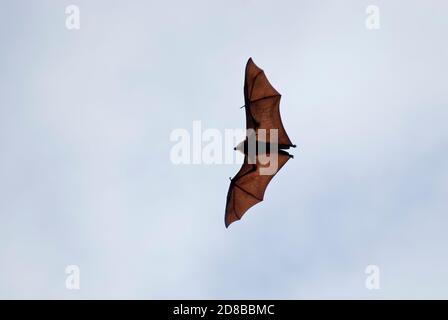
[264, 146]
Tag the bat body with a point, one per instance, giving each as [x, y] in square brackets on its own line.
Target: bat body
[262, 147]
[266, 140]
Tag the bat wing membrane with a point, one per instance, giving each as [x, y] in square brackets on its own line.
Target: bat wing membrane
[262, 104]
[248, 187]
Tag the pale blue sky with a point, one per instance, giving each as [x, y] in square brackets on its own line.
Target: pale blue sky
[86, 179]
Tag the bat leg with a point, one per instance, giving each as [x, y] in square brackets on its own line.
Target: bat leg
[286, 146]
[286, 154]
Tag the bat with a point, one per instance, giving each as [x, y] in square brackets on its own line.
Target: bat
[266, 138]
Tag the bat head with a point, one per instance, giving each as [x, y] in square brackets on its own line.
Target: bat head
[240, 147]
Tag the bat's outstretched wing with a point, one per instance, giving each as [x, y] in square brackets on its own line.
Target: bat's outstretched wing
[262, 103]
[248, 186]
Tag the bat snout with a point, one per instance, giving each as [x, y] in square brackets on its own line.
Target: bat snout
[240, 147]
